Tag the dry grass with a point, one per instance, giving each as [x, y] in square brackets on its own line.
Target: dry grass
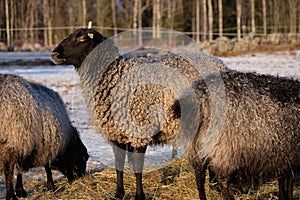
[174, 182]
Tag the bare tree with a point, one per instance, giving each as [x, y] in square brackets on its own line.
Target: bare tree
[138, 10]
[83, 13]
[50, 33]
[141, 10]
[30, 19]
[7, 23]
[204, 20]
[253, 16]
[172, 5]
[12, 19]
[114, 17]
[135, 11]
[264, 10]
[275, 16]
[169, 13]
[197, 21]
[298, 17]
[210, 21]
[238, 18]
[99, 14]
[220, 8]
[154, 16]
[156, 20]
[293, 15]
[136, 6]
[46, 20]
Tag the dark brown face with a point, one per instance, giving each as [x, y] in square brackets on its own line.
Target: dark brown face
[81, 157]
[74, 49]
[73, 162]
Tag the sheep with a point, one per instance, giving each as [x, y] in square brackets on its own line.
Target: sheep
[114, 90]
[35, 130]
[260, 137]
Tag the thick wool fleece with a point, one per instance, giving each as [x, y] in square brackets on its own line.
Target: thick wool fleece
[33, 122]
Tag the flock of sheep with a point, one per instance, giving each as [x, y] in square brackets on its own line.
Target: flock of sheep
[244, 129]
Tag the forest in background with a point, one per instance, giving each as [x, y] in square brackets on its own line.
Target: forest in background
[48, 21]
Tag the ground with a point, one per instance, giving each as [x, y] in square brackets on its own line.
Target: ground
[174, 181]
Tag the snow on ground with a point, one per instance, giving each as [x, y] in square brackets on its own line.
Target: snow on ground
[280, 63]
[65, 81]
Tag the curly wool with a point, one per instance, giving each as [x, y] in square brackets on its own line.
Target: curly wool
[260, 137]
[34, 122]
[105, 96]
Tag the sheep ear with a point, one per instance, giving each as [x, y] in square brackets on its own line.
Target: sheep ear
[81, 39]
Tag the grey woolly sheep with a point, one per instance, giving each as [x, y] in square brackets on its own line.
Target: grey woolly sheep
[35, 130]
[118, 88]
[260, 137]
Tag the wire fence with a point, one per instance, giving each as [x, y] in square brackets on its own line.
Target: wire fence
[59, 32]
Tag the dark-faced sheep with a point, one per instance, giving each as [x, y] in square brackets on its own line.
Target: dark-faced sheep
[260, 137]
[109, 87]
[35, 130]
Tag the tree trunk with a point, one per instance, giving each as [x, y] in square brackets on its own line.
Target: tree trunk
[169, 13]
[210, 21]
[113, 8]
[83, 13]
[238, 18]
[99, 17]
[135, 16]
[12, 19]
[171, 21]
[253, 16]
[264, 17]
[140, 23]
[158, 18]
[136, 13]
[7, 23]
[46, 19]
[31, 11]
[50, 33]
[204, 20]
[220, 6]
[293, 15]
[298, 17]
[154, 16]
[197, 21]
[50, 43]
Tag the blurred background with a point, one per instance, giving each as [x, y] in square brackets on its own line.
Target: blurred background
[31, 25]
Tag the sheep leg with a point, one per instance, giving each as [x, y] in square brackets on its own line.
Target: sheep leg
[19, 189]
[200, 180]
[174, 151]
[9, 174]
[119, 153]
[213, 182]
[138, 165]
[286, 184]
[227, 192]
[50, 182]
[129, 153]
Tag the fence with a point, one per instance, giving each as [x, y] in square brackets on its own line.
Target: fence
[58, 33]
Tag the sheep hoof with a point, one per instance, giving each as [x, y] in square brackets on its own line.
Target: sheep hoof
[20, 193]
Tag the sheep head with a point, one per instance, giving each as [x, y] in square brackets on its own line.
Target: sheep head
[74, 49]
[72, 162]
